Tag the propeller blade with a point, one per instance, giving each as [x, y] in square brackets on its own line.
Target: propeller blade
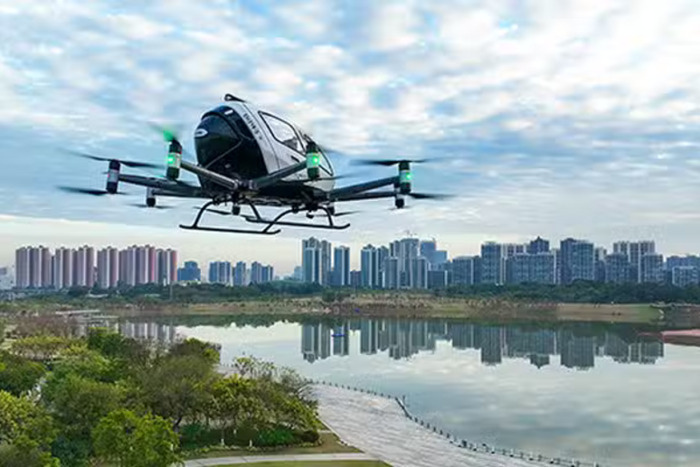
[429, 196]
[346, 213]
[215, 211]
[145, 206]
[388, 162]
[87, 191]
[320, 179]
[169, 134]
[133, 164]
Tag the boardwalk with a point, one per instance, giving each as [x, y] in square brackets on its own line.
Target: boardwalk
[379, 427]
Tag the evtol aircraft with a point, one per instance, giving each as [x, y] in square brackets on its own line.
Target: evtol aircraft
[246, 157]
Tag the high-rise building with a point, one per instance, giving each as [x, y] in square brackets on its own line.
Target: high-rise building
[7, 281]
[634, 252]
[652, 267]
[220, 272]
[465, 270]
[536, 268]
[311, 264]
[427, 249]
[22, 268]
[617, 268]
[405, 250]
[382, 254]
[316, 265]
[683, 276]
[419, 273]
[538, 245]
[190, 272]
[577, 260]
[268, 274]
[341, 266]
[256, 273]
[105, 269]
[355, 279]
[492, 263]
[35, 264]
[369, 267]
[391, 273]
[240, 276]
[438, 279]
[46, 267]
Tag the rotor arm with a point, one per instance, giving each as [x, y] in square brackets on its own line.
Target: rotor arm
[160, 186]
[274, 177]
[217, 178]
[341, 194]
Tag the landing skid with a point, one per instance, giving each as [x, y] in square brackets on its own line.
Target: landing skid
[256, 218]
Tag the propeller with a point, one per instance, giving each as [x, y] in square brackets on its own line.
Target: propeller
[133, 164]
[145, 206]
[87, 191]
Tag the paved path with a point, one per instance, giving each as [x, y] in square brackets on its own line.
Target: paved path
[377, 426]
[348, 456]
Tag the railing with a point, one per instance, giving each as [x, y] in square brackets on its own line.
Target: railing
[469, 445]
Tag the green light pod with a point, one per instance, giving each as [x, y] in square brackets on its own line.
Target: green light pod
[405, 177]
[173, 160]
[313, 161]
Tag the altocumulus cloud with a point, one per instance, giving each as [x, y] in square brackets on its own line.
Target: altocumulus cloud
[559, 118]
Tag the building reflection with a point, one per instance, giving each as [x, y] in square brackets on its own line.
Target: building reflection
[160, 333]
[573, 346]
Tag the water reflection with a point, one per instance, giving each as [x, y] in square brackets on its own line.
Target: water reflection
[577, 346]
[154, 332]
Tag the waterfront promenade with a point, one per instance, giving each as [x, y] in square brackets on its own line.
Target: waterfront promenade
[379, 427]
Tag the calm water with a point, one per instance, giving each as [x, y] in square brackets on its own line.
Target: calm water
[607, 394]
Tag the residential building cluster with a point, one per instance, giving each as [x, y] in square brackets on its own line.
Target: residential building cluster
[410, 263]
[40, 268]
[227, 273]
[404, 338]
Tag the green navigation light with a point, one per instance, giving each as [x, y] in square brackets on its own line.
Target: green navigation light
[313, 160]
[405, 176]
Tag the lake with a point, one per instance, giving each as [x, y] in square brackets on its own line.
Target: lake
[612, 394]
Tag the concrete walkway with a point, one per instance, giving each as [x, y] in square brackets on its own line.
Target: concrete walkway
[377, 425]
[349, 456]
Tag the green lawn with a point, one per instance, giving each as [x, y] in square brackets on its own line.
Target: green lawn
[315, 464]
[330, 444]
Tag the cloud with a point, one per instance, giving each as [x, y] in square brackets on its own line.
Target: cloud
[557, 118]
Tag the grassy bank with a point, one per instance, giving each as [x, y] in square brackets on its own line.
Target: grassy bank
[360, 304]
[414, 307]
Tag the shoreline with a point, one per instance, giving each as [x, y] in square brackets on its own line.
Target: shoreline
[503, 313]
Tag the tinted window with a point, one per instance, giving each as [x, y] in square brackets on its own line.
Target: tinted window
[282, 132]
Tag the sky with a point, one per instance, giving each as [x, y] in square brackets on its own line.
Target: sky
[576, 118]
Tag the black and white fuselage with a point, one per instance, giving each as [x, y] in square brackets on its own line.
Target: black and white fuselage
[240, 141]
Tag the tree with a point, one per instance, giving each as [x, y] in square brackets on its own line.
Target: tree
[124, 438]
[18, 375]
[197, 348]
[42, 347]
[176, 387]
[26, 433]
[78, 404]
[235, 401]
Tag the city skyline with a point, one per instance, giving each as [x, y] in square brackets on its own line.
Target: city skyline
[404, 263]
